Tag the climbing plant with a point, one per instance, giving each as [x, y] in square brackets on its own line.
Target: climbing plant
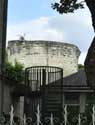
[14, 72]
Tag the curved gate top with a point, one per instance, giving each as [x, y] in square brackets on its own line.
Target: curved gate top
[37, 76]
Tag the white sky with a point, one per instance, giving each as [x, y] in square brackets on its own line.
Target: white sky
[46, 24]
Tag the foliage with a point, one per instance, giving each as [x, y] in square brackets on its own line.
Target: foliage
[22, 37]
[91, 99]
[80, 67]
[15, 71]
[66, 6]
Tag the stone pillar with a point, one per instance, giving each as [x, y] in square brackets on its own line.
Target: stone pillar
[82, 102]
[3, 22]
[19, 108]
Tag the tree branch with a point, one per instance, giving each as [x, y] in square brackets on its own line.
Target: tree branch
[91, 5]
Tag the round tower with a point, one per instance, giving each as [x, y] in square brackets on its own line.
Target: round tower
[45, 53]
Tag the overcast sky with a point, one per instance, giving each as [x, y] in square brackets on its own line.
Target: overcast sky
[39, 21]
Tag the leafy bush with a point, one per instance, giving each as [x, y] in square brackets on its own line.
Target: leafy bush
[15, 72]
[80, 67]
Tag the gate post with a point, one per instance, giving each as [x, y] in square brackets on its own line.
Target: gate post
[82, 102]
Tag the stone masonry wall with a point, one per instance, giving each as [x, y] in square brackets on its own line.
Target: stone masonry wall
[45, 53]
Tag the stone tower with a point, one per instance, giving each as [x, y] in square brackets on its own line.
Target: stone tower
[45, 53]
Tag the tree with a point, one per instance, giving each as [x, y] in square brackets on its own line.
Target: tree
[80, 67]
[67, 6]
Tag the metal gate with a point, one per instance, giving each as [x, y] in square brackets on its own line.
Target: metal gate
[45, 83]
[68, 117]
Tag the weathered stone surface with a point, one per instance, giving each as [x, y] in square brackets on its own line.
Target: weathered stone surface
[45, 53]
[90, 65]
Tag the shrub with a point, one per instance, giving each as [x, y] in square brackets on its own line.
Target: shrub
[15, 72]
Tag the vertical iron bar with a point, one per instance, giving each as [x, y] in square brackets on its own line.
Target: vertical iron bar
[40, 80]
[61, 80]
[43, 93]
